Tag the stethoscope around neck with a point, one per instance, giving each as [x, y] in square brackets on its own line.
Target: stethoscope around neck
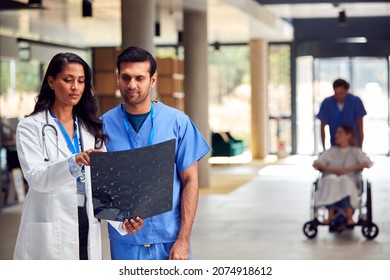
[47, 126]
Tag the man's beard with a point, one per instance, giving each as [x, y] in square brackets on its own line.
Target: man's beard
[134, 100]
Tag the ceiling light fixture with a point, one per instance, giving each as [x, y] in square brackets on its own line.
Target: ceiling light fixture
[34, 3]
[87, 8]
[217, 46]
[157, 29]
[342, 18]
[179, 37]
[157, 22]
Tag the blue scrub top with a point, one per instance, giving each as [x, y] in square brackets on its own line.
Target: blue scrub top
[352, 111]
[169, 123]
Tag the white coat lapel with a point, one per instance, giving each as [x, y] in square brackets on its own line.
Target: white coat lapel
[52, 136]
[87, 139]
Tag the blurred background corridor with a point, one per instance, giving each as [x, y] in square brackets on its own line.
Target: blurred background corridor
[265, 68]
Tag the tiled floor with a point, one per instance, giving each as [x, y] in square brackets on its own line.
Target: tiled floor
[263, 219]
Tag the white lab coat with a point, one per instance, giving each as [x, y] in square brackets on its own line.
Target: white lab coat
[49, 223]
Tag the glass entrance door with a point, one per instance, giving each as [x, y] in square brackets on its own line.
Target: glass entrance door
[369, 79]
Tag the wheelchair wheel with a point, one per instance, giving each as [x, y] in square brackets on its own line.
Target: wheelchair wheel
[310, 230]
[370, 231]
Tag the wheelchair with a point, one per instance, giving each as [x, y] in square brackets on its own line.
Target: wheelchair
[369, 229]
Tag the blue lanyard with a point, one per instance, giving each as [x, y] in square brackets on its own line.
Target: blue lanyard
[73, 147]
[127, 125]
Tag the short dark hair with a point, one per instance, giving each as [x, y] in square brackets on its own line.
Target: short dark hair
[136, 54]
[349, 130]
[341, 83]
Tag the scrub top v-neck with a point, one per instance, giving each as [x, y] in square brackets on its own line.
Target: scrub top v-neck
[132, 134]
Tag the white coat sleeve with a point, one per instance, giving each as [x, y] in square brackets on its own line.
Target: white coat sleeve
[40, 175]
[118, 227]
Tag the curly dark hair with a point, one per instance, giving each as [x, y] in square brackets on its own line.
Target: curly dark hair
[86, 109]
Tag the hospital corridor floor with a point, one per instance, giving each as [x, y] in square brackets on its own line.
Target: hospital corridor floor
[263, 218]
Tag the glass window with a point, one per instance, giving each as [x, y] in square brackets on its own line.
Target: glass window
[304, 105]
[229, 91]
[170, 51]
[19, 85]
[368, 77]
[370, 83]
[279, 98]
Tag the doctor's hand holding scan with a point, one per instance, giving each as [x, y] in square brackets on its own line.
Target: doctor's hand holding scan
[83, 157]
[54, 144]
[133, 225]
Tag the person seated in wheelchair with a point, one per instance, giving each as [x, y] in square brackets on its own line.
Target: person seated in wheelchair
[341, 167]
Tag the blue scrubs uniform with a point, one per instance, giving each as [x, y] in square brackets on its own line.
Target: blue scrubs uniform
[352, 111]
[159, 232]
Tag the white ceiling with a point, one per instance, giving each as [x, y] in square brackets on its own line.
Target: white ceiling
[230, 21]
[328, 10]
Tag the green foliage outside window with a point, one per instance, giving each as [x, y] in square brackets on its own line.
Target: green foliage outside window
[25, 73]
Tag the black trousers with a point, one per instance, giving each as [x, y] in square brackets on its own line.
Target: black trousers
[83, 233]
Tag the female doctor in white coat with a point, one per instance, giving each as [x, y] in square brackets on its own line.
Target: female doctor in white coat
[53, 145]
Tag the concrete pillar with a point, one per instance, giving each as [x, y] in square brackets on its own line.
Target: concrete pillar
[196, 78]
[138, 23]
[259, 114]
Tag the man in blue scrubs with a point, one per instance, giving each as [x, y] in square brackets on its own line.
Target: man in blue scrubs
[140, 122]
[342, 108]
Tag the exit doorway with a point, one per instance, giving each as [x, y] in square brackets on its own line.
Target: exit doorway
[369, 79]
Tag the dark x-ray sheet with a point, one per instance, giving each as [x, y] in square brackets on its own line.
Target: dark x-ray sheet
[137, 182]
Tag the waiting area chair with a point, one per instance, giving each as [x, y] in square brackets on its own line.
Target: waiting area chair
[223, 144]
